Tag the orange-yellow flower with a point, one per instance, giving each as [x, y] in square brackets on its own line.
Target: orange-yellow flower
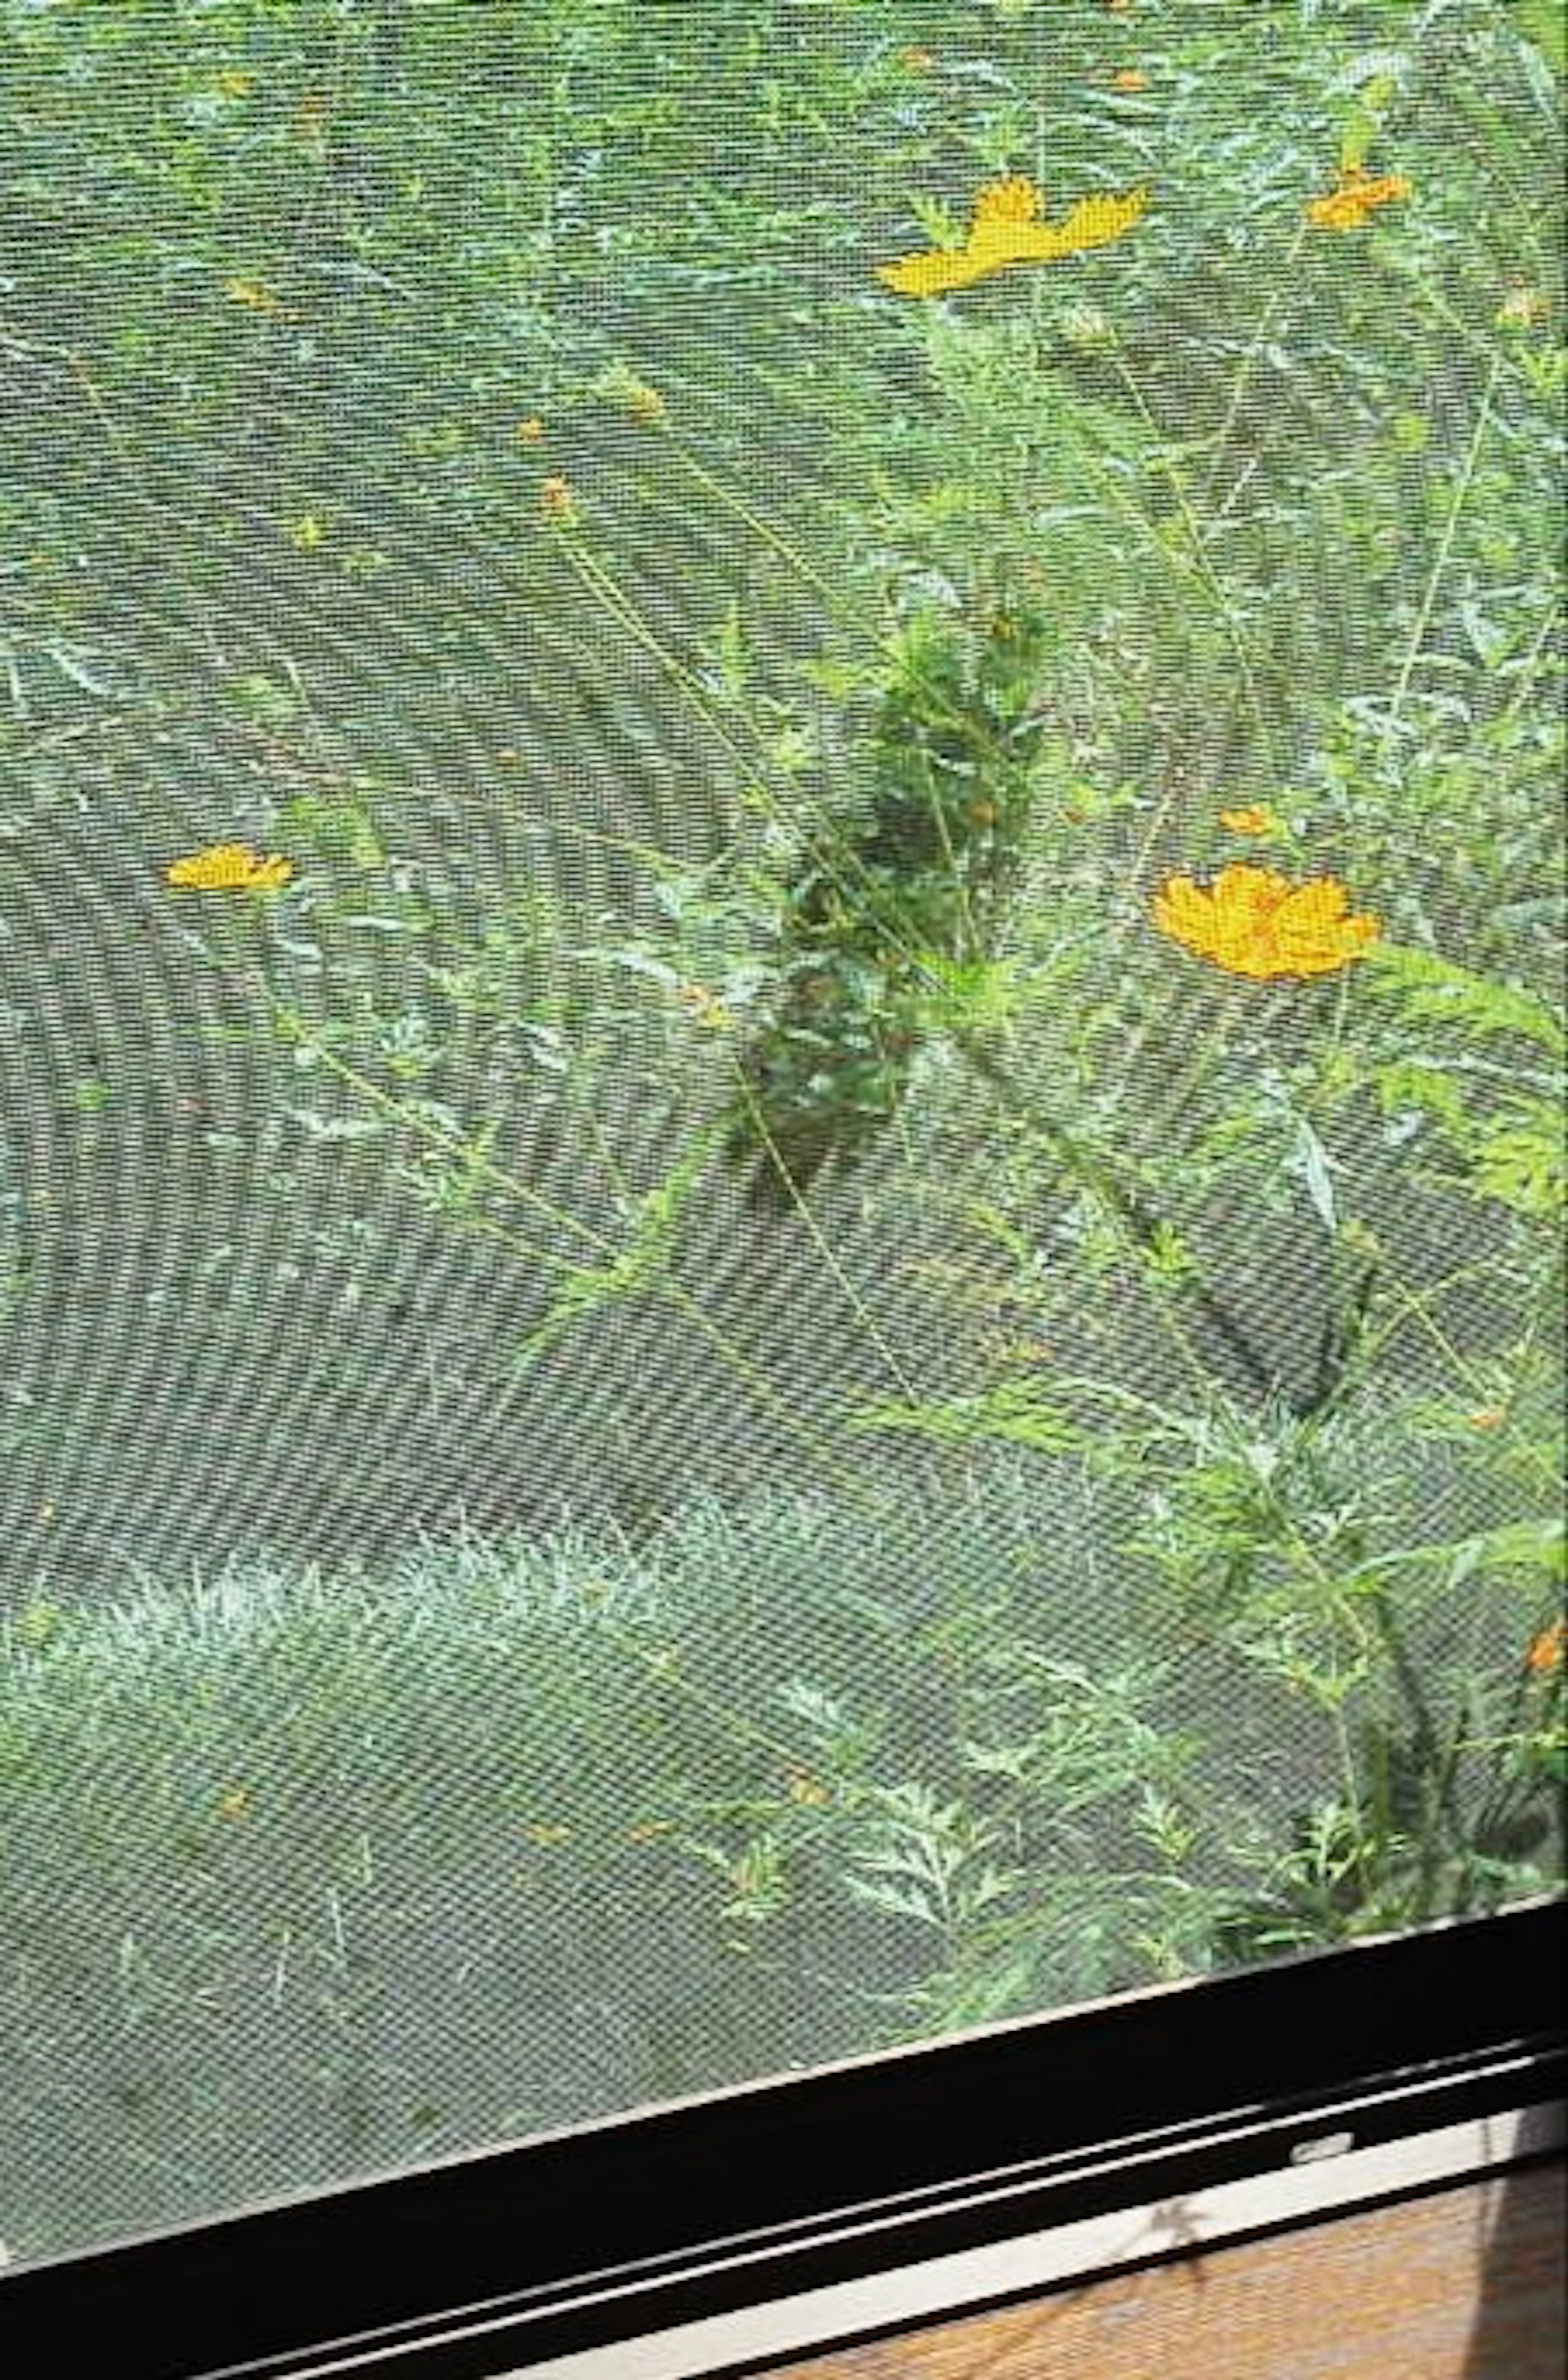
[1358, 196]
[646, 405]
[1252, 922]
[705, 1005]
[1255, 818]
[1129, 80]
[1548, 1649]
[1004, 228]
[532, 430]
[916, 59]
[230, 867]
[260, 296]
[558, 501]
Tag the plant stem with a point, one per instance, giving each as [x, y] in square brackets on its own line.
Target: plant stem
[1445, 546]
[1139, 1218]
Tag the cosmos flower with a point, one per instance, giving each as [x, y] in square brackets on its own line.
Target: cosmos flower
[646, 405]
[1252, 922]
[1005, 228]
[705, 1006]
[1547, 1649]
[557, 502]
[1255, 818]
[230, 867]
[1357, 198]
[259, 296]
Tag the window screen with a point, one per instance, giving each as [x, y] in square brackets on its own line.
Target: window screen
[779, 930]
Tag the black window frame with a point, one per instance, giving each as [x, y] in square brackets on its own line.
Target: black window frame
[595, 2239]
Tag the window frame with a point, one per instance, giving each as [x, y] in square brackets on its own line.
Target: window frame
[580, 2245]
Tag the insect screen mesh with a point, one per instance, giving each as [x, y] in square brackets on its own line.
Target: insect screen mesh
[779, 906]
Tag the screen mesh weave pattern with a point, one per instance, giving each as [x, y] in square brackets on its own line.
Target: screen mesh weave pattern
[780, 932]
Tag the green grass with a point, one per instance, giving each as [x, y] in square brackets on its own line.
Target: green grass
[308, 1876]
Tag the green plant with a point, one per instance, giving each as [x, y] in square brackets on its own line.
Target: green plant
[907, 896]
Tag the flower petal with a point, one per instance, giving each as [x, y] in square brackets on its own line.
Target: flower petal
[1014, 198]
[935, 270]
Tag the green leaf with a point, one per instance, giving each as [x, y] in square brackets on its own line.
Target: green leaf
[1436, 988]
[1012, 1412]
[1311, 1163]
[1537, 1544]
[1544, 24]
[1521, 1162]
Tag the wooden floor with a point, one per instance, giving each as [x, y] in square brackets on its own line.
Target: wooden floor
[1465, 2284]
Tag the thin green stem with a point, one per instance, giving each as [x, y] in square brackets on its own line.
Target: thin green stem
[293, 1032]
[1445, 546]
[1270, 315]
[856, 1304]
[764, 531]
[740, 1364]
[1203, 566]
[1145, 1226]
[604, 590]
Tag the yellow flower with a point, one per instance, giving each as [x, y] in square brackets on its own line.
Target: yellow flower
[646, 405]
[932, 273]
[307, 533]
[1547, 1649]
[260, 296]
[1004, 229]
[558, 503]
[532, 430]
[618, 385]
[230, 867]
[1129, 80]
[1358, 196]
[235, 1803]
[1256, 818]
[1011, 199]
[547, 1837]
[1254, 923]
[705, 1005]
[916, 59]
[235, 82]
